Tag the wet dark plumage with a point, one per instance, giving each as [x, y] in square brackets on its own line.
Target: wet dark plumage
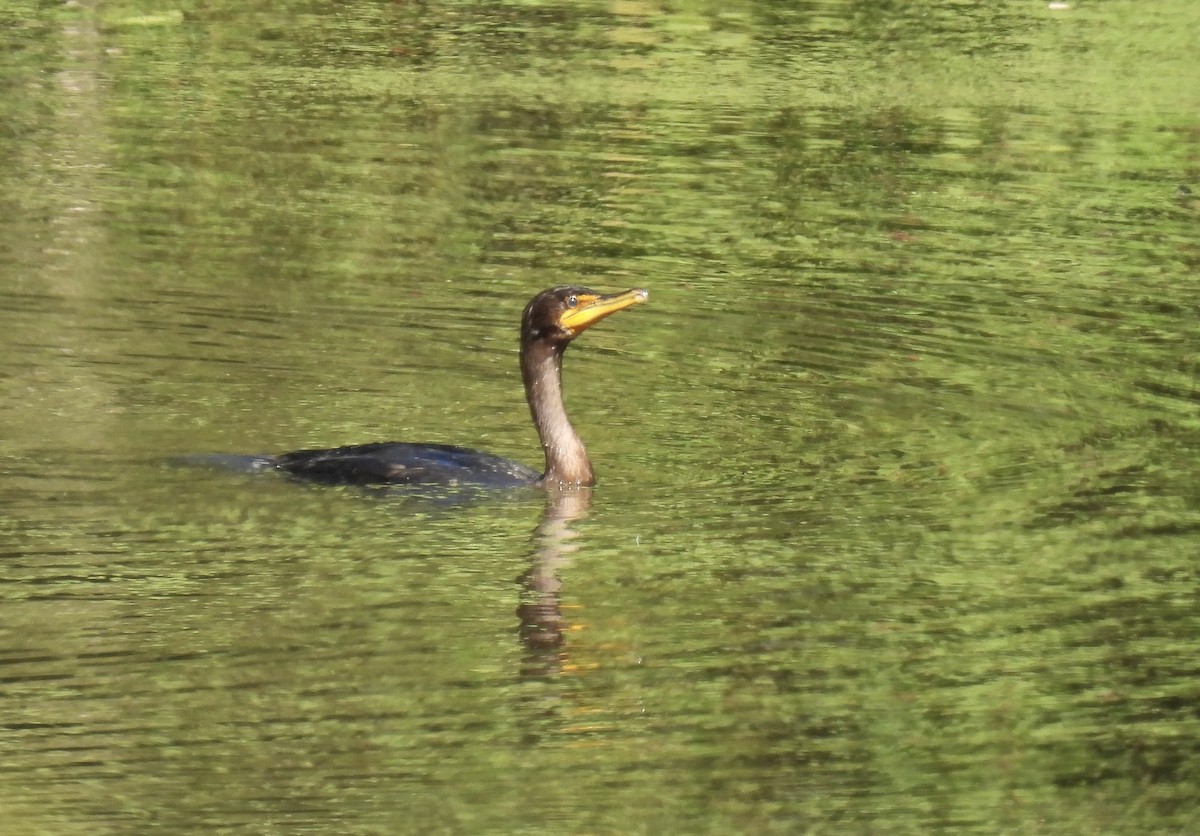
[399, 462]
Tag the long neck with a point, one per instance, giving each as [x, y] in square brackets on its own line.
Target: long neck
[566, 460]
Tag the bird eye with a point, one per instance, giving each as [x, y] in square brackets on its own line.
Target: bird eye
[572, 301]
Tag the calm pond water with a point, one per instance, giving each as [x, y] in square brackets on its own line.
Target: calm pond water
[898, 518]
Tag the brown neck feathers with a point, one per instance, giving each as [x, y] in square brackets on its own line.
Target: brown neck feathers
[567, 461]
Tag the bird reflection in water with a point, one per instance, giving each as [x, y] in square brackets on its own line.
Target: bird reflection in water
[543, 628]
[449, 476]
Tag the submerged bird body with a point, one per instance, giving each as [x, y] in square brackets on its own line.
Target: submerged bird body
[397, 462]
[550, 321]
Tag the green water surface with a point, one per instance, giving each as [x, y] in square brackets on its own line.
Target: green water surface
[898, 515]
